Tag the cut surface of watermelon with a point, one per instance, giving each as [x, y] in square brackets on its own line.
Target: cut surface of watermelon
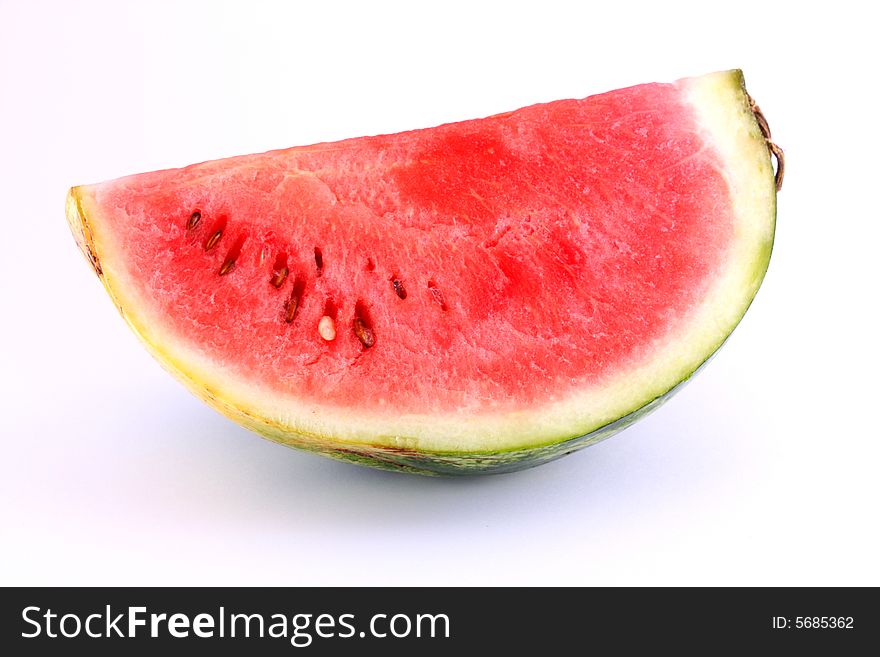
[479, 296]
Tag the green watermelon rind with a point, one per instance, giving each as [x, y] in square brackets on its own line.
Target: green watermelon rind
[434, 463]
[721, 97]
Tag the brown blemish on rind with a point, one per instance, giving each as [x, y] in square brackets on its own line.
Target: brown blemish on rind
[774, 149]
[81, 230]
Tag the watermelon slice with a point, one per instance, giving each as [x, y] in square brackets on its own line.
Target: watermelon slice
[480, 296]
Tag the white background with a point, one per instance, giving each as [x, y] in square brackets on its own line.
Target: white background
[764, 470]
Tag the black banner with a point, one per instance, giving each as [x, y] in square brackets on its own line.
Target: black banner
[113, 621]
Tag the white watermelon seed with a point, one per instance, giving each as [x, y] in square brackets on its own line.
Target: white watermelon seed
[327, 328]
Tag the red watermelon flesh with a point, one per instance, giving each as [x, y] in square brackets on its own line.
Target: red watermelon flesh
[476, 275]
